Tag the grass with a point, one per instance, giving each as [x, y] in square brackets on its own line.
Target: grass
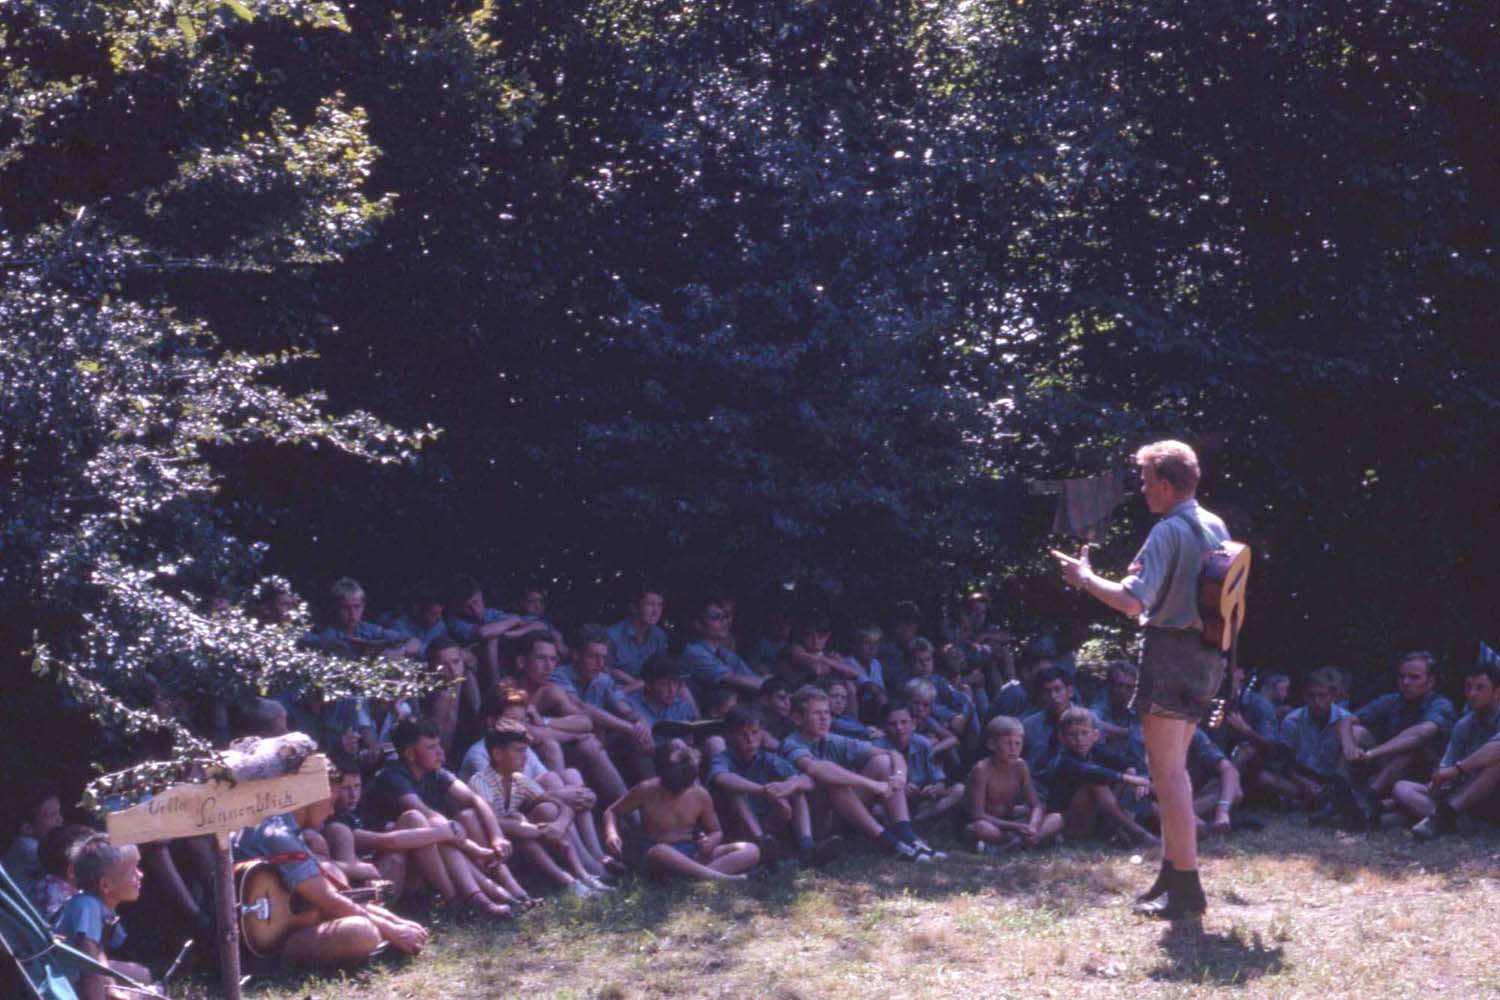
[1295, 912]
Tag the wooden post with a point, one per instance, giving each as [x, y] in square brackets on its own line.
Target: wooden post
[228, 916]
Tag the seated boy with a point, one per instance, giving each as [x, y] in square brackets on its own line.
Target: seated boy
[851, 776]
[60, 884]
[1308, 756]
[590, 682]
[775, 704]
[1462, 782]
[680, 829]
[107, 876]
[1084, 779]
[637, 638]
[346, 931]
[481, 629]
[664, 698]
[765, 796]
[347, 633]
[806, 659]
[1003, 807]
[41, 805]
[563, 728]
[417, 790]
[929, 794]
[340, 832]
[842, 704]
[1216, 783]
[920, 695]
[539, 825]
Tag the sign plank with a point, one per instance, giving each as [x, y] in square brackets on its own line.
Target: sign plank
[216, 807]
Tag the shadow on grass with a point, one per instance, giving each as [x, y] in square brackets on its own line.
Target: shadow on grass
[1192, 955]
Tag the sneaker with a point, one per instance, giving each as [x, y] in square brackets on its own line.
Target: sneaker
[598, 885]
[582, 891]
[1426, 830]
[909, 852]
[927, 849]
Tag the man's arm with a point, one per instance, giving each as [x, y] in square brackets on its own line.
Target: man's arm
[826, 772]
[1410, 738]
[623, 806]
[1078, 574]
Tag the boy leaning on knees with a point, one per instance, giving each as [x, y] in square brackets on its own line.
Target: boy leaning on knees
[1084, 781]
[1004, 809]
[680, 829]
[851, 777]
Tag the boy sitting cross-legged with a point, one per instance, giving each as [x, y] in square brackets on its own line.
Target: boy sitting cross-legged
[539, 825]
[1004, 809]
[851, 776]
[1084, 782]
[107, 876]
[764, 794]
[681, 834]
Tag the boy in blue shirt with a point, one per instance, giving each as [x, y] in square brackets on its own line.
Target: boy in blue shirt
[1458, 784]
[637, 638]
[1084, 779]
[107, 876]
[765, 797]
[41, 804]
[852, 774]
[1398, 735]
[929, 794]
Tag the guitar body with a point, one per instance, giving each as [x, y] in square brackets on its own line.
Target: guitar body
[1221, 593]
[269, 912]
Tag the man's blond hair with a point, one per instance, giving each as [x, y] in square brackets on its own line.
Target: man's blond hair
[1173, 462]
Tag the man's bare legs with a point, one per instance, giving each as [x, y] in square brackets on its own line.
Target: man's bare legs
[1167, 742]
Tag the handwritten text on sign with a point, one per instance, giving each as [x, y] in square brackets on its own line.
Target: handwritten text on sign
[214, 807]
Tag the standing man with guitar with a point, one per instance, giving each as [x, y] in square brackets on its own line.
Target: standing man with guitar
[1182, 666]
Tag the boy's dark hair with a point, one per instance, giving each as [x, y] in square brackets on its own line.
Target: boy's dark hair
[437, 645]
[661, 665]
[772, 685]
[741, 716]
[1047, 676]
[894, 705]
[596, 635]
[92, 860]
[408, 731]
[532, 588]
[644, 587]
[425, 594]
[55, 851]
[341, 765]
[847, 683]
[1486, 670]
[35, 793]
[461, 588]
[504, 735]
[709, 599]
[952, 662]
[716, 696]
[675, 766]
[531, 640]
[813, 621]
[1076, 716]
[1329, 677]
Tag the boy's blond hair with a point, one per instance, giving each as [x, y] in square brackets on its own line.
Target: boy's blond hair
[805, 695]
[1076, 716]
[1003, 725]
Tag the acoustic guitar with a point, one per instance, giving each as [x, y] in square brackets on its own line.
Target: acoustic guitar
[270, 912]
[1223, 577]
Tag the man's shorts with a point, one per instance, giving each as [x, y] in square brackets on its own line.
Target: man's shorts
[1180, 674]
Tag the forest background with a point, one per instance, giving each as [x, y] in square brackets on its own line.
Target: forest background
[727, 293]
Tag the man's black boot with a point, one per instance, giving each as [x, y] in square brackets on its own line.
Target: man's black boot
[1159, 886]
[1183, 898]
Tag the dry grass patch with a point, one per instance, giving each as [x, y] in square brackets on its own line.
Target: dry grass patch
[1296, 912]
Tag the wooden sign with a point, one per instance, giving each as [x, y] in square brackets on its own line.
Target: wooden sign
[218, 808]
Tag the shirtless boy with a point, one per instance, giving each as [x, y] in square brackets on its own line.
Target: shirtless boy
[1005, 811]
[680, 830]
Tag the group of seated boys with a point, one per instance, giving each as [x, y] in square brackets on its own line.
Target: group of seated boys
[615, 749]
